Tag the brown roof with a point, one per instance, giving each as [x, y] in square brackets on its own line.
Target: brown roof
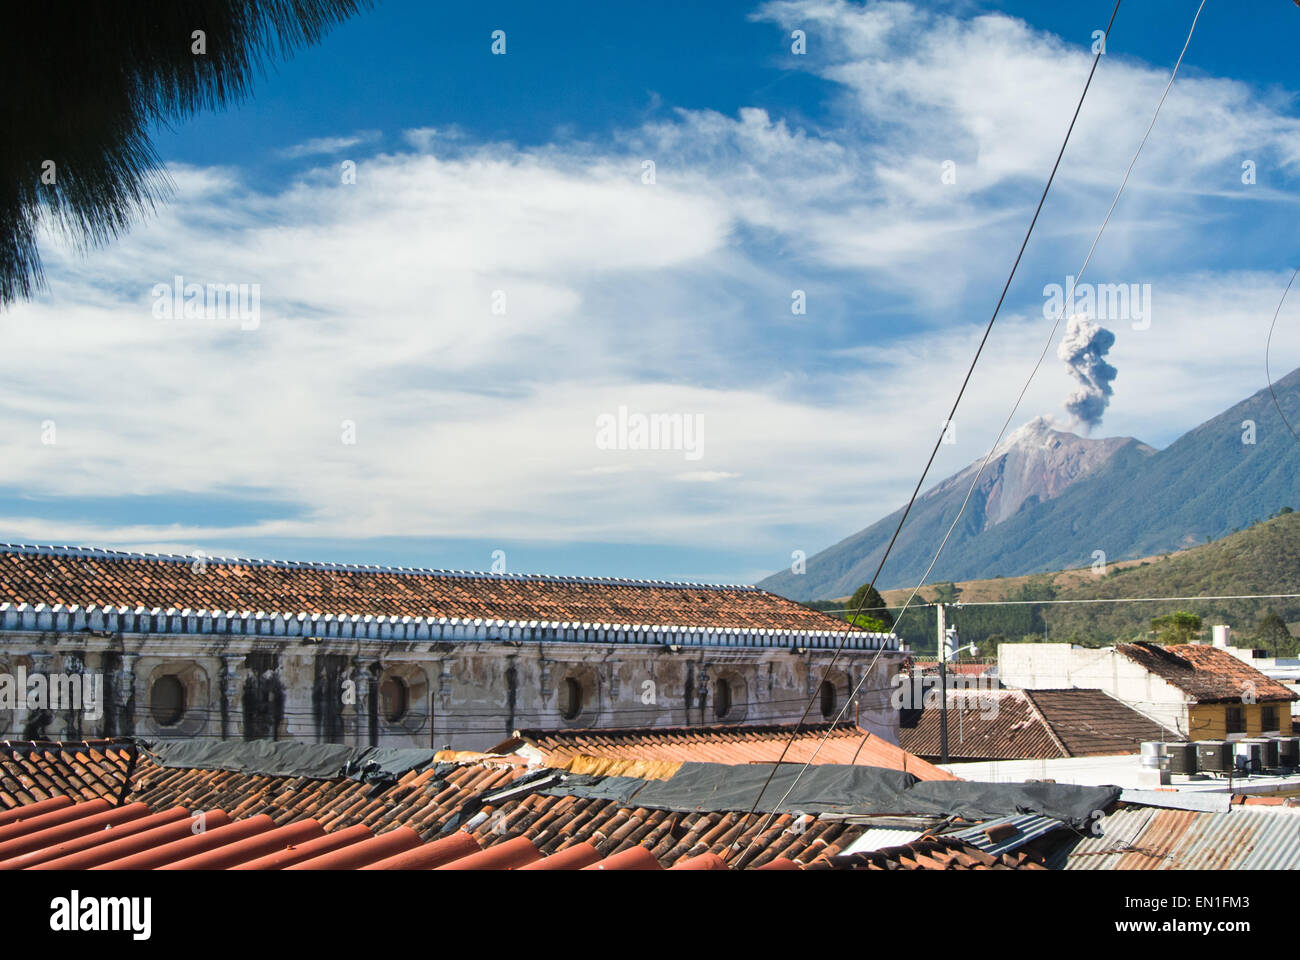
[982, 725]
[84, 771]
[1205, 673]
[965, 669]
[385, 824]
[1092, 723]
[820, 743]
[1029, 725]
[40, 575]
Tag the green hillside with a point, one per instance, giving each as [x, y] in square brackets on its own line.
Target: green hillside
[1264, 558]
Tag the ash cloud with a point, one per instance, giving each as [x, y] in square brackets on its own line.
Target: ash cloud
[1083, 349]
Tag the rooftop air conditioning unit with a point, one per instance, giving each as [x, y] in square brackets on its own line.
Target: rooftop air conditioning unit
[1250, 756]
[1214, 756]
[1182, 758]
[1270, 754]
[1288, 752]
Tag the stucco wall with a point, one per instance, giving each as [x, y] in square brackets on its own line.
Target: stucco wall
[468, 695]
[1055, 666]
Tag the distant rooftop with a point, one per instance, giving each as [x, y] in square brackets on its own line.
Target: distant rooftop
[1029, 724]
[765, 743]
[38, 581]
[1205, 673]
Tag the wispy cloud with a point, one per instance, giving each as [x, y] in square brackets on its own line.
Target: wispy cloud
[438, 339]
[324, 146]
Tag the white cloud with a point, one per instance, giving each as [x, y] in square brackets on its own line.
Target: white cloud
[323, 146]
[377, 308]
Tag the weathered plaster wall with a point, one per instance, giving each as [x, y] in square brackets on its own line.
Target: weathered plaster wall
[469, 695]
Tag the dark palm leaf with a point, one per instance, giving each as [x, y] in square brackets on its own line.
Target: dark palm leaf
[83, 83]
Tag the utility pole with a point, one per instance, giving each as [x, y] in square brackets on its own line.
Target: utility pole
[939, 612]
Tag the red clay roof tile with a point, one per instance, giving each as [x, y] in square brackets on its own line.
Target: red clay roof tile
[99, 578]
[732, 744]
[1205, 673]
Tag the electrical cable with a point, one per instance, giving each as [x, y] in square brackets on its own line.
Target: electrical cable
[1268, 344]
[988, 329]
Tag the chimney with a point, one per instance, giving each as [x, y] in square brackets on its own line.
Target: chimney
[1221, 635]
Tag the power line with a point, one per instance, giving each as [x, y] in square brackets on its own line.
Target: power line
[988, 329]
[1056, 324]
[1033, 603]
[1268, 344]
[1241, 596]
[1051, 337]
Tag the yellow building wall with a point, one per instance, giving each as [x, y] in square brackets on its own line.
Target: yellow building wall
[1209, 721]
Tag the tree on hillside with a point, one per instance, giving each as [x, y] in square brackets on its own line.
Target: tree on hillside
[946, 592]
[85, 84]
[1271, 634]
[868, 600]
[870, 624]
[1180, 627]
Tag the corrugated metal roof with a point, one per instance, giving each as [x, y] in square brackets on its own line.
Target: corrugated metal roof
[879, 838]
[1027, 828]
[930, 853]
[1146, 838]
[1201, 800]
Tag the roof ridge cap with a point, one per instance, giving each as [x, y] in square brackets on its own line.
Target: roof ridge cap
[1042, 718]
[106, 553]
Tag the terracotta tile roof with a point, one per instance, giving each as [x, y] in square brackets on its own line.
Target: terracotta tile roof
[982, 724]
[1092, 723]
[87, 577]
[92, 769]
[1030, 725]
[338, 823]
[93, 835]
[82, 836]
[419, 810]
[964, 669]
[714, 744]
[1205, 673]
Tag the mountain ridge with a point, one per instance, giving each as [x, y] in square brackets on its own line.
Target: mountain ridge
[1128, 501]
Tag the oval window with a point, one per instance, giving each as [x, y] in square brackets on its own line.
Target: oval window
[827, 693]
[722, 698]
[571, 699]
[394, 699]
[167, 700]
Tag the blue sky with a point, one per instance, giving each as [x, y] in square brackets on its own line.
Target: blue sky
[522, 175]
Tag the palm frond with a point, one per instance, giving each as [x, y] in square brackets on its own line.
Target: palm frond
[83, 84]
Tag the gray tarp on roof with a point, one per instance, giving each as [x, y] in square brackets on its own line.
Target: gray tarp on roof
[374, 764]
[290, 758]
[831, 788]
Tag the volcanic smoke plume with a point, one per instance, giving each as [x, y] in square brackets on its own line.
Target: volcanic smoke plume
[1083, 348]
